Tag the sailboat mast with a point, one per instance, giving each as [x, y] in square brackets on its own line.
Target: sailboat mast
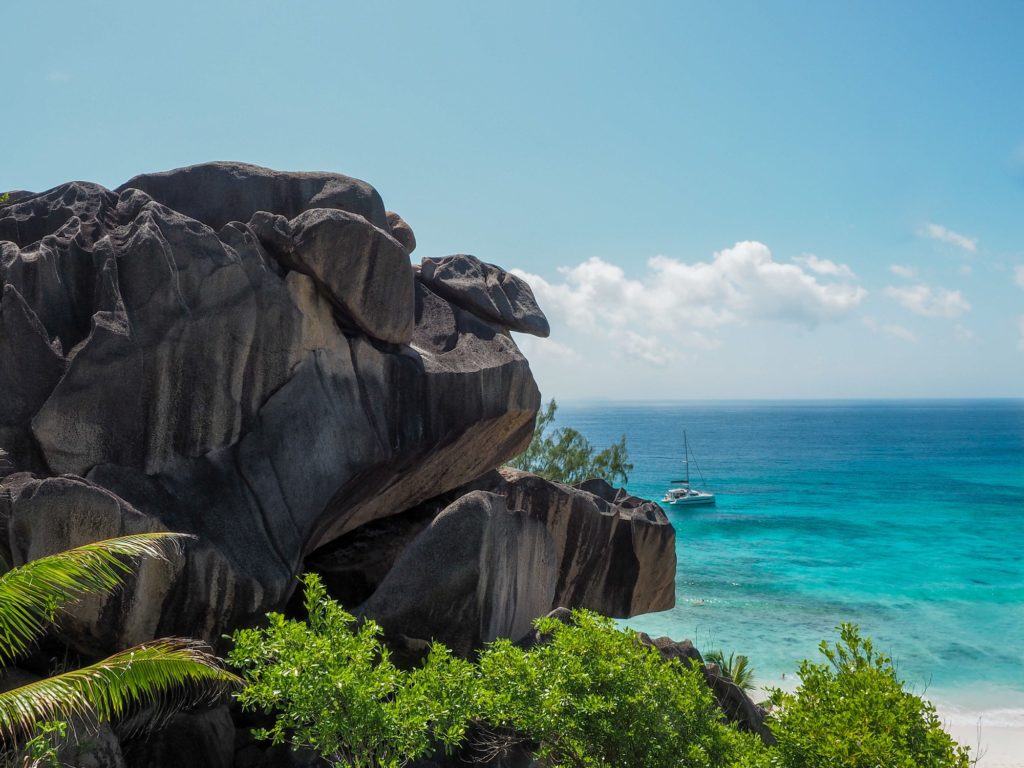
[686, 450]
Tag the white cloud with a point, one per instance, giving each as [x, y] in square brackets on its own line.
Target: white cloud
[58, 76]
[944, 235]
[825, 267]
[1018, 275]
[929, 302]
[966, 270]
[890, 329]
[901, 270]
[677, 304]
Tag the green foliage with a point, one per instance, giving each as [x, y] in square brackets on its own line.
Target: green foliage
[735, 666]
[41, 750]
[854, 712]
[590, 696]
[595, 696]
[165, 673]
[566, 456]
[32, 594]
[335, 689]
[4, 198]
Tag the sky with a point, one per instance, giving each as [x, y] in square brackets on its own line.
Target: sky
[710, 200]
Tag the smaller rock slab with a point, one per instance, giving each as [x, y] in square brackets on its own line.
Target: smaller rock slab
[487, 291]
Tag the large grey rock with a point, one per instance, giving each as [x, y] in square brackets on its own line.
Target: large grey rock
[562, 546]
[401, 231]
[362, 270]
[616, 552]
[31, 367]
[487, 291]
[199, 739]
[476, 573]
[196, 380]
[222, 192]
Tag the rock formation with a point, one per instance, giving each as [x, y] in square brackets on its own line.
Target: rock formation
[250, 357]
[240, 354]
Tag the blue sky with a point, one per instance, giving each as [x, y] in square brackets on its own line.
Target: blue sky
[709, 198]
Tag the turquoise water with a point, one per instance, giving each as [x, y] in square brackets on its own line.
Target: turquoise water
[904, 517]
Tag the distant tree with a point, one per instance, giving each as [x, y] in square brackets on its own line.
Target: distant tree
[566, 456]
[4, 198]
[169, 673]
[735, 666]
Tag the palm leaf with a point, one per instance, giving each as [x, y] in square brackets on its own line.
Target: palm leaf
[31, 594]
[169, 674]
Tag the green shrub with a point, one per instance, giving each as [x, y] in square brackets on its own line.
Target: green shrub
[566, 456]
[590, 696]
[854, 712]
[335, 690]
[595, 696]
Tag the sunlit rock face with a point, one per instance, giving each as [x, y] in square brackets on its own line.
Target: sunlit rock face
[513, 547]
[244, 355]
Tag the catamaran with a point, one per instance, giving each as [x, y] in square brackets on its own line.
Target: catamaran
[685, 495]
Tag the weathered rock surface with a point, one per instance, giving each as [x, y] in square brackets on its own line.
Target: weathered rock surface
[222, 192]
[499, 557]
[199, 739]
[401, 231]
[485, 290]
[249, 356]
[479, 571]
[362, 270]
[266, 386]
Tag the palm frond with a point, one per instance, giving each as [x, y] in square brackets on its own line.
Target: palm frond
[170, 674]
[31, 594]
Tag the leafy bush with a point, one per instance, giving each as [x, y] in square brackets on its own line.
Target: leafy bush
[854, 712]
[596, 696]
[566, 456]
[589, 696]
[335, 690]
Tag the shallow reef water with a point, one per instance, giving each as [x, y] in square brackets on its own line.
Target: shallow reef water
[905, 517]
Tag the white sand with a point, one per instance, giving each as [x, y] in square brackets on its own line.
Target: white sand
[997, 745]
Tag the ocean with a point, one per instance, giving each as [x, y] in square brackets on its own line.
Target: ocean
[904, 517]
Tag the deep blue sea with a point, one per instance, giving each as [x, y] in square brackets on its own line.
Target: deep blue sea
[906, 517]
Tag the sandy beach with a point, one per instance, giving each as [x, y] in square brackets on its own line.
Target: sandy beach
[994, 746]
[997, 741]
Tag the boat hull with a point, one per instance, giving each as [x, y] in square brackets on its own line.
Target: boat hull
[691, 501]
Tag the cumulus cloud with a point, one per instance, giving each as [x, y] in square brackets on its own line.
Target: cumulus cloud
[944, 235]
[683, 304]
[825, 267]
[929, 302]
[889, 329]
[901, 270]
[1018, 275]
